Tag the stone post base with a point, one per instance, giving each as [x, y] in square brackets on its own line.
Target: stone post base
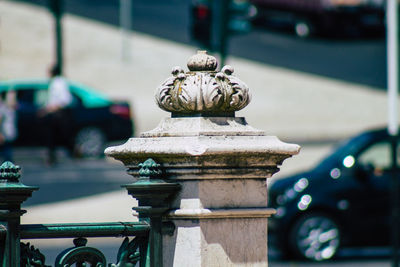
[234, 237]
[221, 165]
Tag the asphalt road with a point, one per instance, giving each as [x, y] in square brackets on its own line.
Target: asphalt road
[360, 59]
[69, 178]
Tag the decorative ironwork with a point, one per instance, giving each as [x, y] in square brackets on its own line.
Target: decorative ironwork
[202, 90]
[128, 253]
[12, 191]
[31, 256]
[80, 255]
[149, 169]
[152, 192]
[10, 172]
[14, 253]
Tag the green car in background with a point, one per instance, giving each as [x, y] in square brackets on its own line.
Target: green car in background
[96, 119]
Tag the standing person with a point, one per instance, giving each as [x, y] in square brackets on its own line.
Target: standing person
[56, 114]
[8, 129]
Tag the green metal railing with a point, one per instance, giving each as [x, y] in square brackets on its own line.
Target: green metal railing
[145, 248]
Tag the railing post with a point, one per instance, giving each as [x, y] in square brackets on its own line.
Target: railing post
[153, 194]
[12, 194]
[220, 214]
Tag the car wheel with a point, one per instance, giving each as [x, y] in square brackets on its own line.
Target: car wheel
[89, 142]
[315, 237]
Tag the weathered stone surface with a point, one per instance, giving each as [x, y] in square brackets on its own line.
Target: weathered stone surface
[188, 147]
[202, 62]
[207, 157]
[203, 126]
[218, 242]
[203, 90]
[220, 162]
[221, 212]
[222, 194]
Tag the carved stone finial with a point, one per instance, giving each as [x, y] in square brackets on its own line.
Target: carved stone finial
[202, 62]
[10, 172]
[202, 91]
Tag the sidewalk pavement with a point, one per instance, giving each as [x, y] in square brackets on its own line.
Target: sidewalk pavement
[294, 106]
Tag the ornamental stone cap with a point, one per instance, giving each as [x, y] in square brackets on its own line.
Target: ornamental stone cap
[203, 91]
[203, 139]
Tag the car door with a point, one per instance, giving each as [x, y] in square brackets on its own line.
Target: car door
[368, 197]
[29, 101]
[375, 162]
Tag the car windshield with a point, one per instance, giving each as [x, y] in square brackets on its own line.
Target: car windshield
[90, 98]
[344, 148]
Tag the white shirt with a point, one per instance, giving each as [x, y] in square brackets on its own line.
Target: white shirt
[59, 94]
[7, 122]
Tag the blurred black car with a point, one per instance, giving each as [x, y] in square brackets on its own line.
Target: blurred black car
[328, 17]
[95, 120]
[344, 201]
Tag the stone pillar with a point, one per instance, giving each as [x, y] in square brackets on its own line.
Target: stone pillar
[220, 162]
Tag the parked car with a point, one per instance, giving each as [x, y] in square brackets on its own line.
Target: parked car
[308, 17]
[345, 201]
[96, 119]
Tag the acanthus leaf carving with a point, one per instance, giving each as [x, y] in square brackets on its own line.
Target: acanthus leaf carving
[203, 91]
